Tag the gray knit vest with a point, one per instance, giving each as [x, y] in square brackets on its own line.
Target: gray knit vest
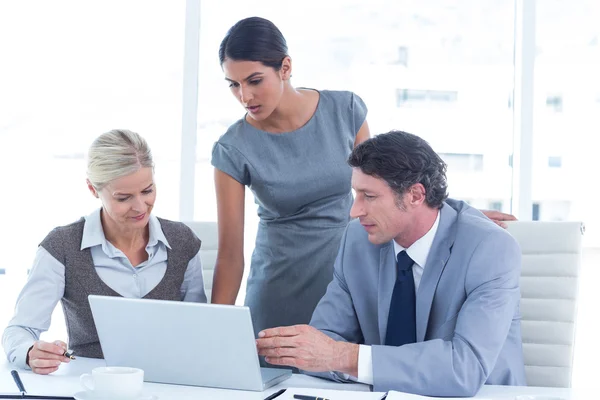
[81, 279]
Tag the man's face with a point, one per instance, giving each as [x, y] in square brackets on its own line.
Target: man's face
[383, 214]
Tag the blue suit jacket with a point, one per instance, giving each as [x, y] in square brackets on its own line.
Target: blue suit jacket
[468, 322]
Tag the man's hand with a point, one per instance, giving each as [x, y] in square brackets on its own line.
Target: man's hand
[45, 358]
[497, 217]
[306, 348]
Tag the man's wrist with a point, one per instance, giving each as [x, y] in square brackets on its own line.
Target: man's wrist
[347, 358]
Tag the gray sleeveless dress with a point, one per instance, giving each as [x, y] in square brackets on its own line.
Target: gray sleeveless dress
[301, 183]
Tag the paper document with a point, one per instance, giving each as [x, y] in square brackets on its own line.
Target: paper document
[331, 394]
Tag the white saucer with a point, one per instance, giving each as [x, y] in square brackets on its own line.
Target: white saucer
[90, 395]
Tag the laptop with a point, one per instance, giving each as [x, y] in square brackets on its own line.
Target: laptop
[182, 343]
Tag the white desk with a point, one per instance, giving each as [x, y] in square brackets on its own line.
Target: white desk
[65, 382]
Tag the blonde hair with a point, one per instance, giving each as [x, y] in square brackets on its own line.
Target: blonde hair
[115, 154]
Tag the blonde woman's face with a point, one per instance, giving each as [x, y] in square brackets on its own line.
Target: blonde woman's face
[128, 201]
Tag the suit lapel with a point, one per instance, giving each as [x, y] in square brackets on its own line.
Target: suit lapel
[436, 262]
[387, 279]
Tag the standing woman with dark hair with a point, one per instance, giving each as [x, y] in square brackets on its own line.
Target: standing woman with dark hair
[290, 149]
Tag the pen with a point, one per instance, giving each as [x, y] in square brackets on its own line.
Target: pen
[69, 354]
[23, 394]
[18, 381]
[303, 397]
[276, 394]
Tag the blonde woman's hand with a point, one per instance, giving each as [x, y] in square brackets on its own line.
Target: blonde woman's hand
[44, 358]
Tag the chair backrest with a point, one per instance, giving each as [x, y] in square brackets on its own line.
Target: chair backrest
[208, 233]
[549, 291]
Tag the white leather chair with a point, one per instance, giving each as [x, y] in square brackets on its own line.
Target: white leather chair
[208, 233]
[549, 291]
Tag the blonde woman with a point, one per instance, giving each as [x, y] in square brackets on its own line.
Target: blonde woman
[120, 249]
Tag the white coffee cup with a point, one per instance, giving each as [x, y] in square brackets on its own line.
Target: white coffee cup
[114, 382]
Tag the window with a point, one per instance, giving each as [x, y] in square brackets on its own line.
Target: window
[416, 97]
[79, 69]
[535, 215]
[554, 103]
[555, 161]
[496, 205]
[463, 162]
[553, 210]
[566, 64]
[402, 56]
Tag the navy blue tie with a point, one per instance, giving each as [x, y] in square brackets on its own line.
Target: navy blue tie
[402, 320]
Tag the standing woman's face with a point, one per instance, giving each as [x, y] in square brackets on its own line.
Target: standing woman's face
[257, 87]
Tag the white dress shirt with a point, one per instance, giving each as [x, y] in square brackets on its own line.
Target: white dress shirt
[46, 282]
[418, 252]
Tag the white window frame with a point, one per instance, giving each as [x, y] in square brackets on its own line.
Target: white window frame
[524, 63]
[189, 114]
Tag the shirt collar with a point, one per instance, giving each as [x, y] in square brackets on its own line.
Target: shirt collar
[93, 234]
[156, 232]
[419, 250]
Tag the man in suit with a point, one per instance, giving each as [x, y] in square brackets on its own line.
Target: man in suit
[425, 293]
